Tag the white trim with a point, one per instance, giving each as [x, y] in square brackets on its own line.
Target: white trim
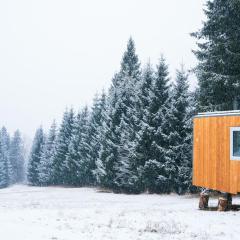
[233, 129]
[218, 113]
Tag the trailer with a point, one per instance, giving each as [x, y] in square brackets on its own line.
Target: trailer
[216, 154]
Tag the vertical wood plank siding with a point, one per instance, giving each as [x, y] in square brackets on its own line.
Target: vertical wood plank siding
[212, 167]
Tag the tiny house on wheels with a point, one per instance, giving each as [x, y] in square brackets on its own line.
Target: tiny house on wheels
[216, 154]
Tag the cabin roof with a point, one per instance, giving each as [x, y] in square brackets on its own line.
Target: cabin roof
[218, 114]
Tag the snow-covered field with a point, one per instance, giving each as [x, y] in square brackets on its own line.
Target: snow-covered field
[32, 213]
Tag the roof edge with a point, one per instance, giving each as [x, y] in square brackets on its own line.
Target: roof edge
[219, 113]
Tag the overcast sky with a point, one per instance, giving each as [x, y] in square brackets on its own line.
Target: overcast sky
[58, 53]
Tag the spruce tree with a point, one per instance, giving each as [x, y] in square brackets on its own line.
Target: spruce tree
[161, 89]
[78, 163]
[184, 178]
[5, 142]
[126, 176]
[35, 157]
[218, 53]
[175, 134]
[109, 139]
[46, 161]
[144, 130]
[16, 157]
[130, 65]
[71, 163]
[62, 144]
[3, 168]
[153, 170]
[95, 127]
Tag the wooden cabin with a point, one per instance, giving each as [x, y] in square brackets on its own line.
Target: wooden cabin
[216, 151]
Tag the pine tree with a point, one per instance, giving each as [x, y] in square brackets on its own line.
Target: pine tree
[46, 160]
[35, 157]
[218, 54]
[62, 145]
[16, 157]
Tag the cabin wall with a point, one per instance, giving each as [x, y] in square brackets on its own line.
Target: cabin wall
[212, 167]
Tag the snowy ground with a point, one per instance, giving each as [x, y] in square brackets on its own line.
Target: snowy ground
[31, 213]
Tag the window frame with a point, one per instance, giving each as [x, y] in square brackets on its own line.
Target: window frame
[233, 129]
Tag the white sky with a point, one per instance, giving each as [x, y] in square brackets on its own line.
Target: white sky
[58, 53]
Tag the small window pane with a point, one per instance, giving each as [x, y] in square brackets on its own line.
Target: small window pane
[236, 143]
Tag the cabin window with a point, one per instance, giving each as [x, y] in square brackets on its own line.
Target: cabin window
[235, 143]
